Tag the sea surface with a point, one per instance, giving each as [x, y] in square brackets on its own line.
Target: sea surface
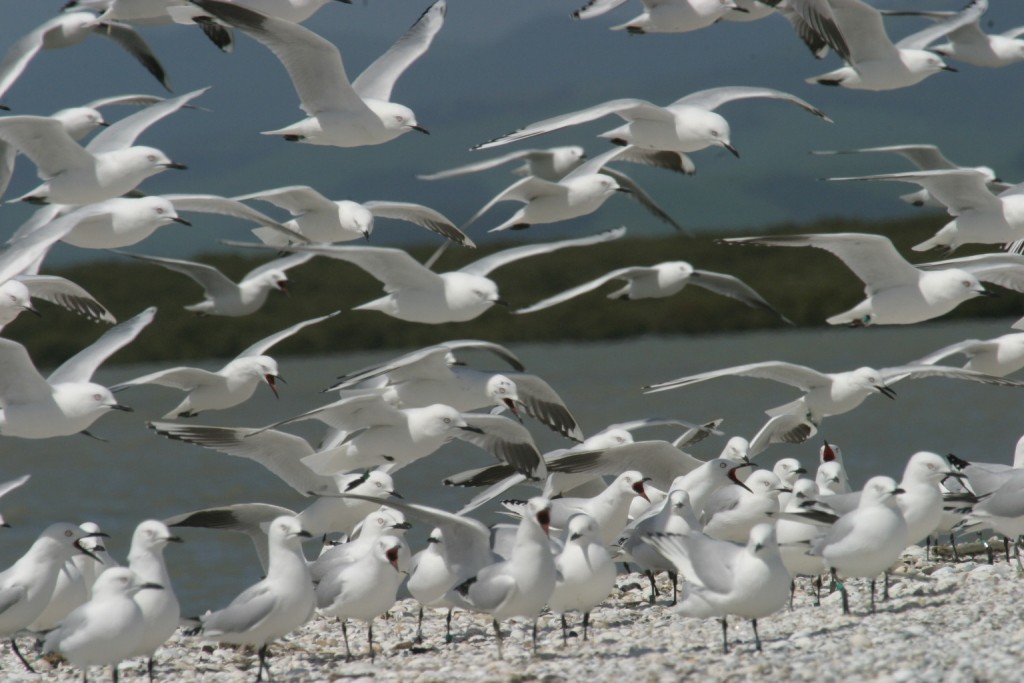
[134, 474]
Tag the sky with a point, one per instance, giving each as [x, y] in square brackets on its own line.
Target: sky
[496, 66]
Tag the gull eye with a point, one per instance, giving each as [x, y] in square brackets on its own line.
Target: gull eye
[151, 158]
[447, 420]
[68, 533]
[721, 465]
[12, 298]
[160, 211]
[97, 397]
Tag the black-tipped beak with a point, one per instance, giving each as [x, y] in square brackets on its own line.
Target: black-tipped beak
[179, 219]
[366, 235]
[431, 539]
[897, 491]
[947, 67]
[732, 149]
[575, 537]
[402, 525]
[500, 302]
[511, 405]
[622, 189]
[272, 383]
[396, 494]
[122, 407]
[174, 539]
[800, 470]
[304, 534]
[102, 124]
[955, 475]
[421, 129]
[151, 586]
[282, 285]
[639, 488]
[33, 310]
[475, 430]
[888, 392]
[175, 165]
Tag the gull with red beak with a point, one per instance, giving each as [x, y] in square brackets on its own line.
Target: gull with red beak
[231, 385]
[521, 585]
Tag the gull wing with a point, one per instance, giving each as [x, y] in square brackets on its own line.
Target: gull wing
[20, 382]
[959, 189]
[295, 199]
[734, 288]
[394, 268]
[254, 605]
[181, 377]
[1005, 270]
[263, 345]
[713, 98]
[523, 190]
[66, 294]
[970, 14]
[637, 193]
[864, 32]
[543, 403]
[894, 374]
[44, 140]
[925, 157]
[596, 8]
[214, 282]
[123, 134]
[283, 263]
[799, 376]
[579, 290]
[279, 452]
[125, 36]
[485, 265]
[872, 258]
[349, 413]
[659, 460]
[82, 366]
[313, 63]
[627, 108]
[118, 100]
[507, 441]
[968, 347]
[484, 165]
[378, 79]
[211, 203]
[21, 53]
[420, 215]
[701, 559]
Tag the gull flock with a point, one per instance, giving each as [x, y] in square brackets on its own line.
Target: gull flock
[733, 533]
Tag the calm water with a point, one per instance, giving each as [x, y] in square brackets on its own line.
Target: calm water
[136, 474]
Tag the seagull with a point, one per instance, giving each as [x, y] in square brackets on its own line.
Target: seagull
[868, 540]
[661, 16]
[828, 393]
[26, 586]
[224, 297]
[364, 588]
[609, 509]
[794, 536]
[160, 609]
[925, 158]
[65, 30]
[164, 11]
[433, 375]
[898, 293]
[586, 572]
[16, 296]
[999, 356]
[856, 32]
[675, 516]
[831, 477]
[580, 192]
[663, 280]
[274, 607]
[724, 578]
[687, 125]
[979, 216]
[66, 402]
[521, 585]
[969, 44]
[109, 166]
[233, 384]
[457, 549]
[417, 294]
[340, 113]
[731, 512]
[328, 514]
[107, 628]
[320, 219]
[369, 432]
[1003, 269]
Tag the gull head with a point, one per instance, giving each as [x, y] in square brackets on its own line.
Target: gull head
[924, 62]
[287, 531]
[788, 470]
[869, 380]
[390, 549]
[15, 296]
[150, 536]
[926, 467]
[145, 160]
[395, 117]
[503, 391]
[761, 539]
[79, 121]
[85, 400]
[440, 419]
[632, 482]
[121, 581]
[377, 484]
[880, 490]
[538, 511]
[583, 528]
[707, 129]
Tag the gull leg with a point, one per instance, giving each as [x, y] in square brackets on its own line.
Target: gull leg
[654, 589]
[952, 542]
[757, 638]
[586, 622]
[565, 637]
[419, 628]
[14, 646]
[448, 626]
[263, 664]
[872, 596]
[674, 577]
[842, 590]
[725, 636]
[792, 592]
[369, 635]
[535, 637]
[344, 633]
[497, 633]
[885, 587]
[817, 590]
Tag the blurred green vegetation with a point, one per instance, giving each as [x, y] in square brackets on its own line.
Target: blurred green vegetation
[805, 285]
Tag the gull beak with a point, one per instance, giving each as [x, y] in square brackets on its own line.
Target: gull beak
[897, 491]
[947, 67]
[511, 405]
[544, 519]
[151, 586]
[622, 189]
[392, 555]
[78, 543]
[121, 407]
[953, 474]
[272, 383]
[732, 474]
[175, 165]
[282, 285]
[888, 392]
[179, 219]
[421, 129]
[732, 149]
[575, 537]
[33, 310]
[304, 534]
[800, 470]
[174, 539]
[402, 525]
[639, 488]
[469, 428]
[366, 235]
[500, 302]
[396, 494]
